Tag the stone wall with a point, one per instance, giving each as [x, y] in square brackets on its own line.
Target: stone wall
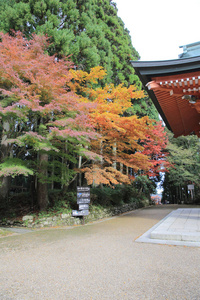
[65, 219]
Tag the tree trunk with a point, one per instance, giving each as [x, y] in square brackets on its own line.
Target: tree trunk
[62, 174]
[94, 181]
[127, 171]
[4, 187]
[65, 170]
[115, 155]
[52, 175]
[5, 153]
[79, 166]
[177, 194]
[42, 185]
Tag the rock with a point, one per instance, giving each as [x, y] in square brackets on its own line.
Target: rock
[71, 221]
[27, 218]
[45, 223]
[96, 213]
[42, 219]
[9, 222]
[65, 216]
[49, 219]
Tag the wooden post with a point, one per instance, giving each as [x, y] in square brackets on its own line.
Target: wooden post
[83, 223]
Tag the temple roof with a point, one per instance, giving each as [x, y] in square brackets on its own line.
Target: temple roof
[190, 50]
[174, 87]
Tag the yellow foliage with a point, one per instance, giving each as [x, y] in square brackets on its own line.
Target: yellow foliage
[120, 136]
[109, 176]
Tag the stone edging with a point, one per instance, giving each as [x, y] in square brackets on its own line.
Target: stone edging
[64, 219]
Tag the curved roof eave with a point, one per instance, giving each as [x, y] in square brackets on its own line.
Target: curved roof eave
[148, 69]
[167, 66]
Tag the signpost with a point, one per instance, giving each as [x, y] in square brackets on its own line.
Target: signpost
[83, 206]
[83, 200]
[80, 213]
[191, 189]
[190, 186]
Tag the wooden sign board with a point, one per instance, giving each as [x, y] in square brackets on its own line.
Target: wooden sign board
[83, 194]
[190, 186]
[83, 206]
[81, 189]
[80, 213]
[83, 200]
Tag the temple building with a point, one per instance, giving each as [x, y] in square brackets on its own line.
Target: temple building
[174, 87]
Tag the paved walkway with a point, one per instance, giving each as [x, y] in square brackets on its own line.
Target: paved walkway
[99, 261]
[180, 227]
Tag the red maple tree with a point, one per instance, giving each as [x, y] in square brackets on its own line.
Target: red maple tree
[41, 112]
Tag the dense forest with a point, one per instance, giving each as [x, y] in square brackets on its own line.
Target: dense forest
[184, 156]
[72, 110]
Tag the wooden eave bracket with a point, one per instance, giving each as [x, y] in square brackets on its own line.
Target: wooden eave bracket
[153, 85]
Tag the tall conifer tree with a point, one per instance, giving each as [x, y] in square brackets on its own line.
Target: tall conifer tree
[89, 30]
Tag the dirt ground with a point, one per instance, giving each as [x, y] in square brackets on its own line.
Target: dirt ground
[98, 261]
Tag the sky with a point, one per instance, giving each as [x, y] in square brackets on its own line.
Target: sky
[159, 27]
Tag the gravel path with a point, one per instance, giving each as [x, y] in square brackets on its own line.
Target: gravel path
[98, 261]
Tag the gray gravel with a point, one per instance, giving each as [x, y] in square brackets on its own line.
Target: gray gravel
[98, 261]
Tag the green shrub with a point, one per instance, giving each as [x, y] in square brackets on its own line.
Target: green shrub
[107, 196]
[62, 201]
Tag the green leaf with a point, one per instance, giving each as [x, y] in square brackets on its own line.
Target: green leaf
[14, 167]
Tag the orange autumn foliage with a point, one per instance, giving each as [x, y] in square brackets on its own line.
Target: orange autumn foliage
[119, 144]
